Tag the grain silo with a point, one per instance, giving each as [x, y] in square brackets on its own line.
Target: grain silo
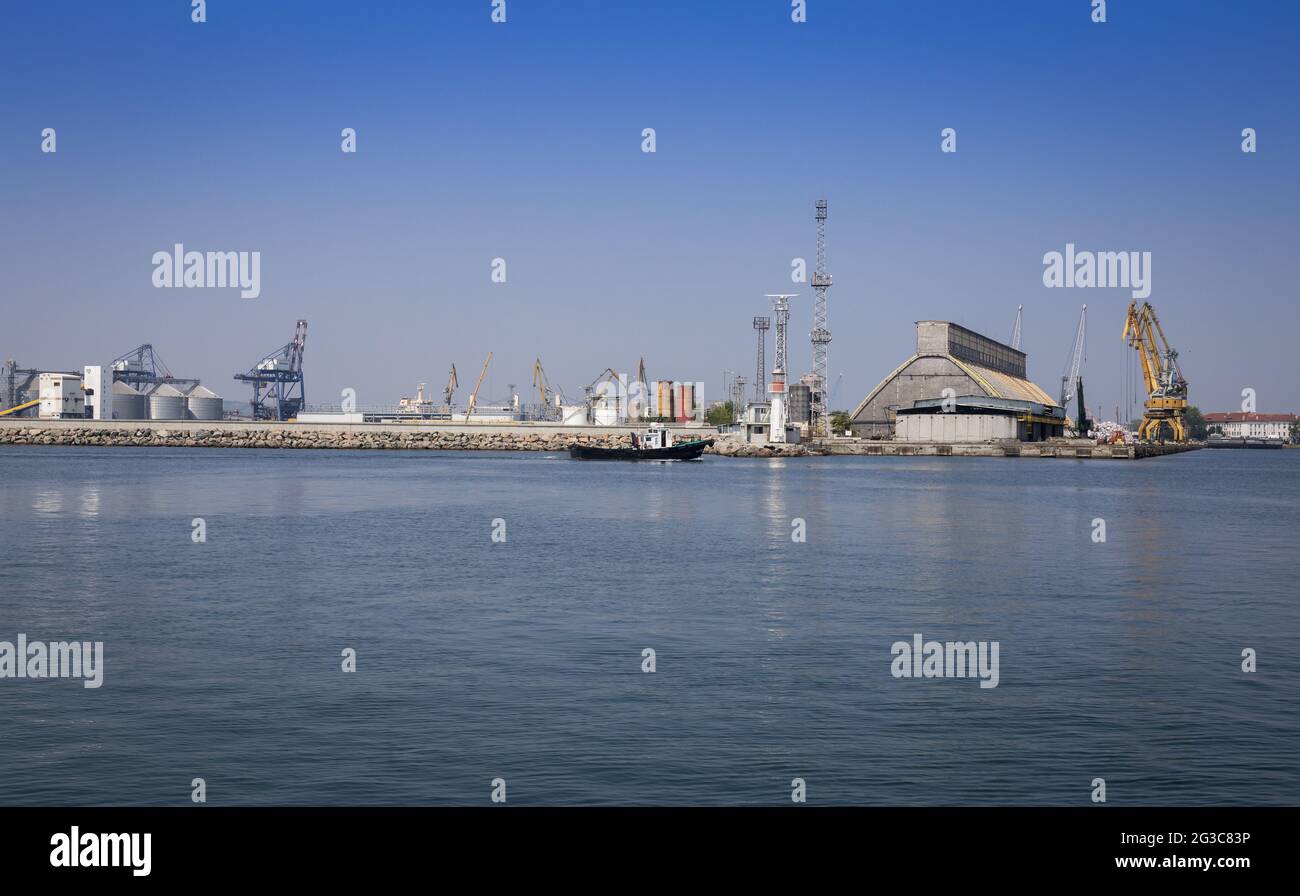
[129, 404]
[664, 399]
[684, 395]
[204, 404]
[167, 403]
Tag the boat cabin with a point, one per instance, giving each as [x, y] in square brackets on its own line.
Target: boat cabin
[657, 436]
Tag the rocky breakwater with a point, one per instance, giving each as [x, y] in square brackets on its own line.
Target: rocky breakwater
[289, 437]
[737, 448]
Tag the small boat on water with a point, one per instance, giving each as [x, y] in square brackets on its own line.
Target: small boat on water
[654, 444]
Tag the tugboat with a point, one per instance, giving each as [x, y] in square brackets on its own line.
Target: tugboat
[654, 444]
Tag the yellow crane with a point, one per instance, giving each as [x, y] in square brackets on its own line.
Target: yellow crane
[474, 397]
[541, 384]
[1166, 388]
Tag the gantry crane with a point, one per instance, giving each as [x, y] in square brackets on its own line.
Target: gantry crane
[277, 380]
[1166, 388]
[141, 367]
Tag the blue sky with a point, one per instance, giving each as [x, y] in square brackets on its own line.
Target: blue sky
[523, 141]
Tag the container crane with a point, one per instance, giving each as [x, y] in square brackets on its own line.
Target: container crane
[141, 367]
[1166, 388]
[277, 379]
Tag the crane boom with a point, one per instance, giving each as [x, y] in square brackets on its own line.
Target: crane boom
[1070, 380]
[452, 384]
[474, 397]
[1015, 334]
[1163, 378]
[539, 382]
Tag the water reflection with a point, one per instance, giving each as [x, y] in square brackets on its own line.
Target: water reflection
[49, 501]
[90, 500]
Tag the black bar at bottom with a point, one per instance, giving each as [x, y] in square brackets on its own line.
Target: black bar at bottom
[340, 845]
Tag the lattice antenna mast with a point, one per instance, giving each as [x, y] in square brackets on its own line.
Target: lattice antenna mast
[821, 336]
[762, 325]
[737, 399]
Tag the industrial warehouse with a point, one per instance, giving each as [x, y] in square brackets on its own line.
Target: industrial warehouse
[959, 386]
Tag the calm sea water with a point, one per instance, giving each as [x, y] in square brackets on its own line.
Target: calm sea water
[522, 660]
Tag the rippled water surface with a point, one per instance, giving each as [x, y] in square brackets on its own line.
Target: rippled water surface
[522, 660]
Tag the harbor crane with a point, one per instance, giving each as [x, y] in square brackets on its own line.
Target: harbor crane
[474, 397]
[1166, 388]
[639, 402]
[1072, 381]
[542, 384]
[141, 367]
[450, 390]
[600, 389]
[277, 380]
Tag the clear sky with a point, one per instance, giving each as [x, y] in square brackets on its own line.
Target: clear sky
[523, 141]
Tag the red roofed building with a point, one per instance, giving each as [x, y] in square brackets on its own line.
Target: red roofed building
[1242, 425]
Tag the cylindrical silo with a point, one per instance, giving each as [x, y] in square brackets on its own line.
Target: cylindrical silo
[128, 404]
[166, 403]
[204, 404]
[664, 400]
[683, 401]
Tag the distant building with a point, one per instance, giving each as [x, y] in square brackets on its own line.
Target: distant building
[1241, 425]
[989, 392]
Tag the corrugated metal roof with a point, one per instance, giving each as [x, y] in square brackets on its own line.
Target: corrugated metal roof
[1002, 385]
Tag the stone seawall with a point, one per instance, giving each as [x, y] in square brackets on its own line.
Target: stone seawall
[514, 438]
[283, 437]
[289, 436]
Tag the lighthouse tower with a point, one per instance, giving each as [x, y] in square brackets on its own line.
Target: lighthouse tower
[776, 388]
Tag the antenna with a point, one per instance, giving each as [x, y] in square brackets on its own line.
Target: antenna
[821, 336]
[762, 325]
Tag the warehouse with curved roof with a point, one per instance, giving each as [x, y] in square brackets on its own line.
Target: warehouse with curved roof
[976, 368]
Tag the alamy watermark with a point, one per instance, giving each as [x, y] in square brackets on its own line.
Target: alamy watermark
[1127, 270]
[55, 659]
[209, 269]
[948, 659]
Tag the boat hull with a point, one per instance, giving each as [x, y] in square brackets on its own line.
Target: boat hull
[682, 451]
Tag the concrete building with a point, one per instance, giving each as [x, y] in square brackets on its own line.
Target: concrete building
[1240, 425]
[799, 403]
[97, 384]
[61, 396]
[975, 368]
[966, 420]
